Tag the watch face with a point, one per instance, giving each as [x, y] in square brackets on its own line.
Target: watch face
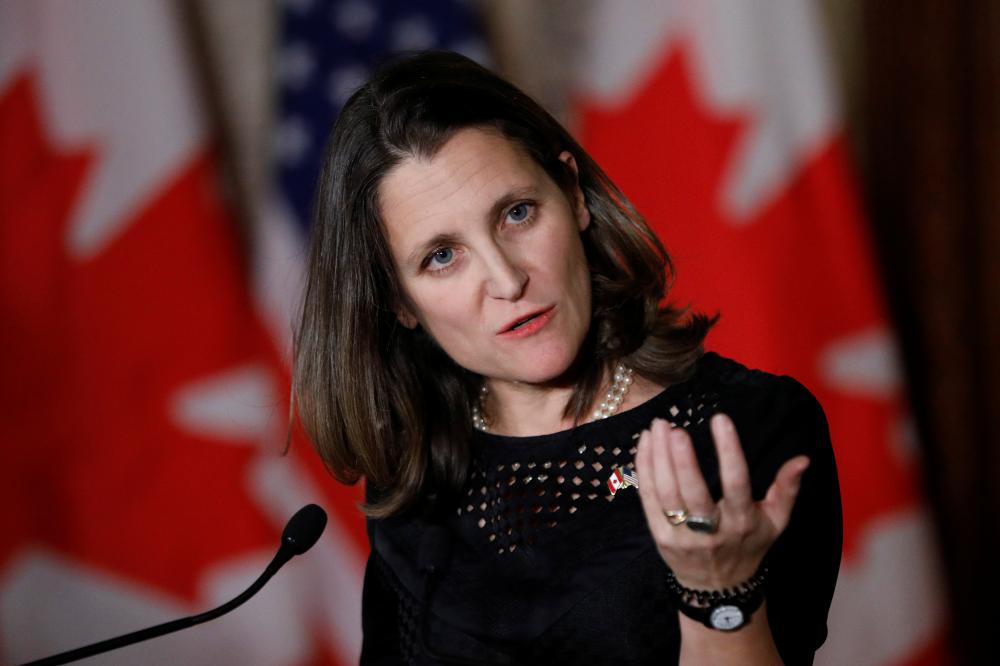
[726, 618]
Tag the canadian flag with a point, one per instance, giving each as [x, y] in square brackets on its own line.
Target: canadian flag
[143, 402]
[718, 120]
[615, 481]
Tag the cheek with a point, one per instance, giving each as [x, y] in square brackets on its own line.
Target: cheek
[576, 272]
[446, 311]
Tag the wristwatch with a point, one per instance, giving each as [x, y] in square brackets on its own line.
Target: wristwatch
[727, 615]
[725, 610]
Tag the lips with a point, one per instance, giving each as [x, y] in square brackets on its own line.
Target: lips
[524, 320]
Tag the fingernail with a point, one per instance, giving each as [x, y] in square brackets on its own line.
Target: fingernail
[797, 480]
[722, 423]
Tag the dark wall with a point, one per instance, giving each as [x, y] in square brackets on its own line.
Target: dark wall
[929, 109]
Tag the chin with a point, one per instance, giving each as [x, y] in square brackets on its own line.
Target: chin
[549, 368]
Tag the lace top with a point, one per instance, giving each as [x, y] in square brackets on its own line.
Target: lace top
[546, 564]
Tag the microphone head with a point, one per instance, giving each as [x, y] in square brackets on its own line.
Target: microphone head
[303, 529]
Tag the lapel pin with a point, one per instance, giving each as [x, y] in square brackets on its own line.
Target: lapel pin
[621, 478]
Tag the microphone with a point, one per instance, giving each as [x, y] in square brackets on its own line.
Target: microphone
[300, 534]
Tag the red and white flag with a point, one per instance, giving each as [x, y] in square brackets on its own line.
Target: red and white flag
[615, 481]
[719, 122]
[143, 402]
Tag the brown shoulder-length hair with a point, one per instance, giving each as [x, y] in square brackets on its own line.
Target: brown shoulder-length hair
[385, 402]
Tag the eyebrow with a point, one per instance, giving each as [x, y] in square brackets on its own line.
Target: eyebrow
[509, 199]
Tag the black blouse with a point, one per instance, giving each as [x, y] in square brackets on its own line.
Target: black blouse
[543, 563]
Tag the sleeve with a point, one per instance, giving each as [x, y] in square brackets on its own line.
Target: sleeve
[804, 562]
[379, 618]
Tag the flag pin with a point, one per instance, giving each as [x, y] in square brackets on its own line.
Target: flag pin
[621, 478]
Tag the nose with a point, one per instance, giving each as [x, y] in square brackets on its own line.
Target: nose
[504, 279]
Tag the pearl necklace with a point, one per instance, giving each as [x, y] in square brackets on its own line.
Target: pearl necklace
[612, 399]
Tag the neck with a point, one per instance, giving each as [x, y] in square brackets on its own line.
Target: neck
[518, 409]
[521, 410]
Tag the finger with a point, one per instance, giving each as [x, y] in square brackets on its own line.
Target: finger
[780, 498]
[647, 486]
[692, 486]
[667, 492]
[732, 464]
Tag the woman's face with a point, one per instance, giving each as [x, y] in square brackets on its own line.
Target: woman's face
[488, 252]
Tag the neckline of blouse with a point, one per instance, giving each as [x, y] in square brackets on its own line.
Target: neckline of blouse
[637, 417]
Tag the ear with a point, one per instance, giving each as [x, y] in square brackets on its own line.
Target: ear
[578, 200]
[406, 318]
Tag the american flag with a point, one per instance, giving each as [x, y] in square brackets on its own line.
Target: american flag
[328, 50]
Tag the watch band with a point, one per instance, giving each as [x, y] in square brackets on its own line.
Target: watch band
[724, 610]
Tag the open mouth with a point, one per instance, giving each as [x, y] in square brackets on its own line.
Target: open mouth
[523, 322]
[529, 322]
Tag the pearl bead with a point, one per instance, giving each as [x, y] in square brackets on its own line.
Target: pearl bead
[622, 380]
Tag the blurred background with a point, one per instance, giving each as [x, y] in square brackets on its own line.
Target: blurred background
[823, 173]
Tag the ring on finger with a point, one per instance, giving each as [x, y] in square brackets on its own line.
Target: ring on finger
[703, 524]
[676, 516]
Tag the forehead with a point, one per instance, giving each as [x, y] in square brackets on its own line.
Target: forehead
[465, 177]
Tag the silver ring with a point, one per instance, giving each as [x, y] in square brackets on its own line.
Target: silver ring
[703, 524]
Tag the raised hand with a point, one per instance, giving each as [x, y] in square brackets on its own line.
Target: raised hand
[735, 533]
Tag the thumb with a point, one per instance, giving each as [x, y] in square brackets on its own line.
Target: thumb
[780, 498]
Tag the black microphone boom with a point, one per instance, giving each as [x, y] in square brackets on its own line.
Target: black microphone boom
[301, 532]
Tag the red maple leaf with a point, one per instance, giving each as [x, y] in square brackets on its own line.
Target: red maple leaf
[794, 278]
[93, 353]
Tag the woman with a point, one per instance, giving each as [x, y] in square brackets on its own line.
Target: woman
[483, 341]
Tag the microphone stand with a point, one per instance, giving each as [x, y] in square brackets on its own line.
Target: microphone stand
[293, 543]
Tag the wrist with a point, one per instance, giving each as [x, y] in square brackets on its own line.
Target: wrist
[724, 610]
[753, 645]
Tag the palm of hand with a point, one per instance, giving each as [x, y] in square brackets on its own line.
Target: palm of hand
[670, 480]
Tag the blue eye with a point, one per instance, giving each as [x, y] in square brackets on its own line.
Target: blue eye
[519, 213]
[441, 257]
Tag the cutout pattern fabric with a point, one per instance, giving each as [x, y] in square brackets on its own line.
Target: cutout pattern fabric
[515, 501]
